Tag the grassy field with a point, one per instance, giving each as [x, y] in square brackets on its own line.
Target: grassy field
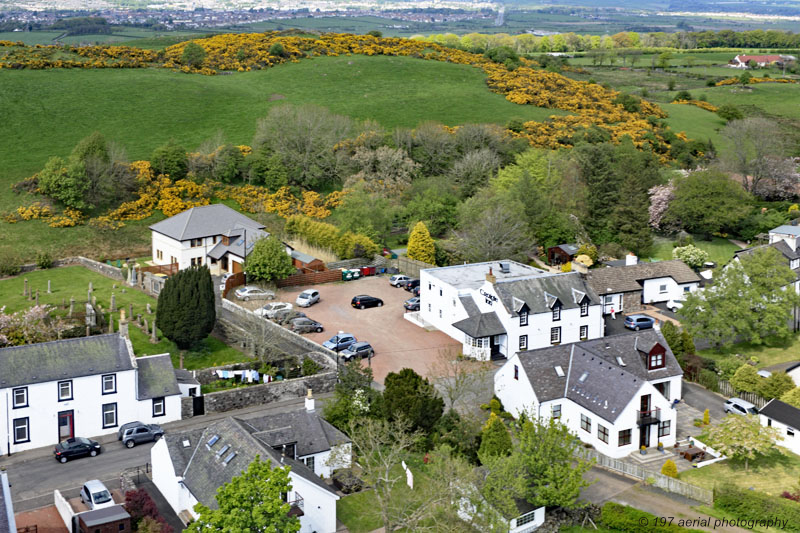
[209, 352]
[778, 99]
[719, 250]
[121, 34]
[768, 354]
[696, 123]
[772, 474]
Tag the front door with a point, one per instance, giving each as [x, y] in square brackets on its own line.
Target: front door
[644, 436]
[66, 426]
[645, 403]
[224, 264]
[496, 344]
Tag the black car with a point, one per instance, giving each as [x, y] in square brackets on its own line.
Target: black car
[363, 301]
[411, 285]
[415, 292]
[359, 350]
[76, 447]
[412, 304]
[134, 433]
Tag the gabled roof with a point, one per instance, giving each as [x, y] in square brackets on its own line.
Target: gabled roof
[787, 366]
[593, 376]
[303, 258]
[204, 469]
[618, 279]
[239, 238]
[787, 229]
[759, 59]
[782, 412]
[185, 377]
[570, 249]
[781, 245]
[541, 293]
[310, 432]
[64, 359]
[473, 275]
[204, 221]
[156, 377]
[481, 325]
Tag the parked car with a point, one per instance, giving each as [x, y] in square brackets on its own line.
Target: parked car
[271, 308]
[225, 278]
[740, 407]
[248, 293]
[415, 292]
[307, 298]
[357, 350]
[397, 279]
[363, 301]
[306, 325]
[411, 285]
[285, 316]
[637, 322]
[675, 303]
[134, 433]
[340, 341]
[404, 282]
[76, 447]
[96, 496]
[412, 304]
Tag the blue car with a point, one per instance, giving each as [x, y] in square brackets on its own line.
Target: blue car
[340, 342]
[637, 322]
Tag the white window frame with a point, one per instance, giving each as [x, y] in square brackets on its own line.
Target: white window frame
[109, 409]
[555, 408]
[662, 289]
[113, 388]
[555, 335]
[26, 424]
[310, 463]
[584, 308]
[523, 318]
[523, 342]
[65, 397]
[602, 431]
[586, 423]
[19, 404]
[583, 333]
[556, 313]
[159, 407]
[664, 428]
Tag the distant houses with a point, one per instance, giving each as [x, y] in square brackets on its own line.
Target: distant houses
[744, 61]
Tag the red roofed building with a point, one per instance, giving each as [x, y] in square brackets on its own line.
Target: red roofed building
[742, 61]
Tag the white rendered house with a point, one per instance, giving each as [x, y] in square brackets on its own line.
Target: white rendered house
[188, 467]
[499, 308]
[614, 393]
[786, 240]
[786, 419]
[213, 235]
[81, 387]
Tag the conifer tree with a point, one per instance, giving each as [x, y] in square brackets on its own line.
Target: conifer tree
[495, 438]
[186, 312]
[420, 244]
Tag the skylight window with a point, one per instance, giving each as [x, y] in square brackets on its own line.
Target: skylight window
[212, 441]
[620, 362]
[559, 372]
[229, 458]
[583, 377]
[186, 443]
[223, 450]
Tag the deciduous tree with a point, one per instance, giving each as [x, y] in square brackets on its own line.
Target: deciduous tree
[792, 397]
[775, 386]
[691, 255]
[743, 438]
[269, 261]
[383, 171]
[746, 379]
[170, 159]
[193, 55]
[252, 501]
[65, 181]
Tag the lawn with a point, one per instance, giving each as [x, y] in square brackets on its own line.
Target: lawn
[768, 354]
[719, 250]
[208, 352]
[778, 99]
[696, 123]
[772, 475]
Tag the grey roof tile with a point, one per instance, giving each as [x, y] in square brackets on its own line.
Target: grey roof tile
[184, 376]
[300, 256]
[306, 428]
[236, 245]
[63, 359]
[617, 279]
[481, 325]
[787, 229]
[156, 377]
[203, 221]
[541, 292]
[103, 516]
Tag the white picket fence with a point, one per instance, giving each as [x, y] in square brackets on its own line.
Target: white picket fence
[659, 480]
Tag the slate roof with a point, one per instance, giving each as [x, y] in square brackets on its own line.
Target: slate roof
[156, 377]
[6, 508]
[203, 468]
[569, 249]
[607, 387]
[203, 221]
[104, 516]
[186, 377]
[540, 292]
[782, 246]
[611, 280]
[782, 412]
[306, 428]
[238, 236]
[787, 366]
[787, 230]
[63, 359]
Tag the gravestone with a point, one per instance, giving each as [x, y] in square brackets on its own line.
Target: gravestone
[123, 324]
[25, 290]
[111, 322]
[91, 317]
[48, 287]
[71, 306]
[153, 337]
[149, 309]
[113, 302]
[130, 309]
[37, 297]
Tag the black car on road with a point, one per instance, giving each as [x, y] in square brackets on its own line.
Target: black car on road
[134, 433]
[363, 301]
[76, 447]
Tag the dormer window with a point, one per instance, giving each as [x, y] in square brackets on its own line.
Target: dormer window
[556, 313]
[656, 361]
[523, 318]
[584, 308]
[226, 240]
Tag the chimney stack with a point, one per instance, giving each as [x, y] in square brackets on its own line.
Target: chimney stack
[491, 278]
[309, 402]
[631, 259]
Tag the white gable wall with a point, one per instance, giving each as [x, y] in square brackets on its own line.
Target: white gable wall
[790, 442]
[181, 250]
[517, 395]
[664, 289]
[319, 506]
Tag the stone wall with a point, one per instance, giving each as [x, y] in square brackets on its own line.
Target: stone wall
[276, 391]
[559, 518]
[632, 301]
[207, 375]
[187, 407]
[96, 266]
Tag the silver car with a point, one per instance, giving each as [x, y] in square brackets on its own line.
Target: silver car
[134, 433]
[307, 298]
[271, 309]
[96, 496]
[254, 293]
[306, 325]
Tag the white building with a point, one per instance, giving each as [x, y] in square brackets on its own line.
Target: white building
[614, 393]
[497, 309]
[627, 288]
[187, 383]
[785, 239]
[213, 235]
[786, 419]
[189, 467]
[84, 387]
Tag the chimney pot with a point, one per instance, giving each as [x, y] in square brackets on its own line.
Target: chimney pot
[310, 402]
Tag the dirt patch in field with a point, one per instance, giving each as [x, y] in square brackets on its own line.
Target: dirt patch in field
[276, 96]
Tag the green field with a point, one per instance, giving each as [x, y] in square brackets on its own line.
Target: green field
[121, 34]
[777, 99]
[719, 250]
[771, 475]
[695, 122]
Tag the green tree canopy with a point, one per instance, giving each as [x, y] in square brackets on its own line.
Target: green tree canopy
[495, 438]
[186, 312]
[792, 397]
[775, 386]
[193, 55]
[252, 501]
[707, 202]
[746, 379]
[269, 261]
[749, 300]
[228, 163]
[409, 395]
[65, 181]
[743, 438]
[420, 244]
[267, 168]
[691, 255]
[170, 159]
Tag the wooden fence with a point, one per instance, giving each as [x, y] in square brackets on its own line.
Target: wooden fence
[727, 389]
[311, 278]
[410, 267]
[659, 480]
[169, 270]
[233, 282]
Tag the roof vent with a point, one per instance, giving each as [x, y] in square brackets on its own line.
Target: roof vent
[620, 362]
[505, 268]
[583, 377]
[212, 441]
[559, 371]
[186, 443]
[229, 458]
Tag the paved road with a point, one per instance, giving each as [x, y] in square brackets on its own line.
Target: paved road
[33, 481]
[702, 399]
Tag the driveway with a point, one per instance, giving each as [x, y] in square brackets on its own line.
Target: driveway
[397, 342]
[701, 399]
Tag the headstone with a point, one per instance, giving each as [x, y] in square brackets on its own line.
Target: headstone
[114, 286]
[113, 302]
[111, 322]
[37, 296]
[153, 337]
[124, 290]
[25, 290]
[48, 287]
[89, 295]
[88, 330]
[130, 309]
[94, 300]
[132, 277]
[91, 286]
[71, 306]
[91, 317]
[146, 326]
[149, 309]
[139, 319]
[123, 324]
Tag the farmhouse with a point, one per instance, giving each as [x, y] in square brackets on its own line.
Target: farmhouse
[786, 419]
[614, 393]
[213, 235]
[190, 466]
[743, 61]
[84, 387]
[498, 308]
[627, 288]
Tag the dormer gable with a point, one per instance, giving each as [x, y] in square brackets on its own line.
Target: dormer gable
[655, 356]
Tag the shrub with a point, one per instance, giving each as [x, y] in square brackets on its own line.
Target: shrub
[693, 256]
[44, 260]
[566, 267]
[706, 417]
[277, 50]
[671, 335]
[708, 379]
[729, 112]
[669, 468]
[682, 95]
[746, 379]
[310, 367]
[754, 505]
[671, 85]
[618, 517]
[727, 366]
[9, 264]
[775, 386]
